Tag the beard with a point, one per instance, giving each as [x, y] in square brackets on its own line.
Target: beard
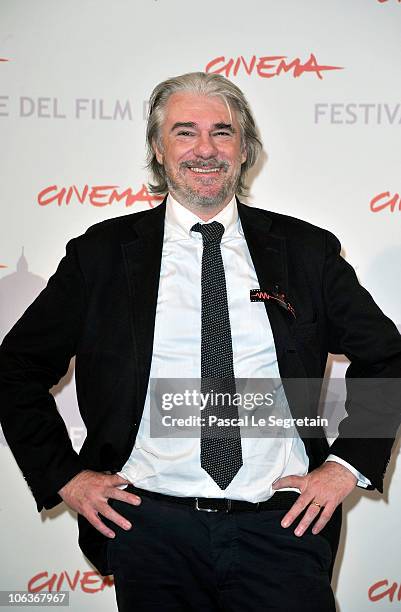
[194, 198]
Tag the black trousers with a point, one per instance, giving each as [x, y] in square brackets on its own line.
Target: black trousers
[178, 559]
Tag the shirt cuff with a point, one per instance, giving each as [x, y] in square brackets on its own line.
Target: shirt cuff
[362, 480]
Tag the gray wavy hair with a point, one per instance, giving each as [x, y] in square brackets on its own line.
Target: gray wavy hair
[205, 84]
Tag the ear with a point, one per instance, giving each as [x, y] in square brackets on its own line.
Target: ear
[157, 151]
[244, 155]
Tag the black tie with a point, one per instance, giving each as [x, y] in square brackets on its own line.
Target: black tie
[221, 454]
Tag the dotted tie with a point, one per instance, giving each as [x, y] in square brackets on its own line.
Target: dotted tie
[221, 453]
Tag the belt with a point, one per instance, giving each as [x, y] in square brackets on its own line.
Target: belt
[281, 500]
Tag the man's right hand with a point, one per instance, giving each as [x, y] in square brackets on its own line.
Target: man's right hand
[88, 492]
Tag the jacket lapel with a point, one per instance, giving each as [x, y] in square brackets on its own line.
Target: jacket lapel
[269, 257]
[142, 258]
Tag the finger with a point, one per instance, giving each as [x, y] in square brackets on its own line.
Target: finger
[129, 498]
[323, 519]
[113, 516]
[299, 506]
[309, 516]
[289, 481]
[95, 521]
[116, 479]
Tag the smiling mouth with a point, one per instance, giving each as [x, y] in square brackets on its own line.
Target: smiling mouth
[204, 170]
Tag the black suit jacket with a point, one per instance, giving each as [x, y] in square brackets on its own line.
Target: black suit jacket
[100, 306]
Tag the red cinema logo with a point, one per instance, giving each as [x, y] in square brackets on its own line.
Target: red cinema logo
[267, 66]
[385, 200]
[87, 582]
[383, 589]
[96, 195]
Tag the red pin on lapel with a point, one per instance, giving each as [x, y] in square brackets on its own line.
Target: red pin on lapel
[262, 295]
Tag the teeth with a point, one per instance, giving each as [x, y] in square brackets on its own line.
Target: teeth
[204, 170]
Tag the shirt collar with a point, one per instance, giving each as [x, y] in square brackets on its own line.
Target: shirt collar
[179, 220]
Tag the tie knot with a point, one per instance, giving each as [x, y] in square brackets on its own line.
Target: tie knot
[211, 232]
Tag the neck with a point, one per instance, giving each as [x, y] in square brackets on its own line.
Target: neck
[205, 213]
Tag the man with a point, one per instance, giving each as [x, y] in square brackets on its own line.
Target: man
[207, 523]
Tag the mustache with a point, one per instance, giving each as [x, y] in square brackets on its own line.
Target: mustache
[210, 163]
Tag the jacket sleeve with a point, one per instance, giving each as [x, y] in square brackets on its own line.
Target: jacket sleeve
[34, 356]
[358, 329]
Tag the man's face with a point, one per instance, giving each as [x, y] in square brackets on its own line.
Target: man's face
[200, 150]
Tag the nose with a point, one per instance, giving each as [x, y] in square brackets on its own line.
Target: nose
[204, 146]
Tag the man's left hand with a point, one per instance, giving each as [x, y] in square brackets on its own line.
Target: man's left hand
[322, 490]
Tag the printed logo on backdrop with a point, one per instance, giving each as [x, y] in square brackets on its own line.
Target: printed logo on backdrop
[386, 201]
[53, 107]
[96, 195]
[87, 582]
[17, 290]
[268, 66]
[43, 107]
[366, 113]
[385, 590]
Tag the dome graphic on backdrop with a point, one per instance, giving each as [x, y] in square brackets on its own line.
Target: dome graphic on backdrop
[17, 291]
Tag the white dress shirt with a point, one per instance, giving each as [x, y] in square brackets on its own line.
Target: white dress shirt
[172, 465]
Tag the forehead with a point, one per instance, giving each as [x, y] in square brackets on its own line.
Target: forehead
[198, 108]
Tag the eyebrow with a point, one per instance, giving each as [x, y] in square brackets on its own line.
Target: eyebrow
[193, 125]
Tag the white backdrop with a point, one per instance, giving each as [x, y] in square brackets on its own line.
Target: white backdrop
[75, 78]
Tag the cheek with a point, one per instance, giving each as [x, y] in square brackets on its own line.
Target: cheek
[232, 153]
[184, 153]
[174, 159]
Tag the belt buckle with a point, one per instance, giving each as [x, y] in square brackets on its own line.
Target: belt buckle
[204, 509]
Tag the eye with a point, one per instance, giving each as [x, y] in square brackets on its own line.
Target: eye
[185, 133]
[222, 133]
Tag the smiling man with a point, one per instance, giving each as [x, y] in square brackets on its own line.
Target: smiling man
[202, 159]
[210, 522]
